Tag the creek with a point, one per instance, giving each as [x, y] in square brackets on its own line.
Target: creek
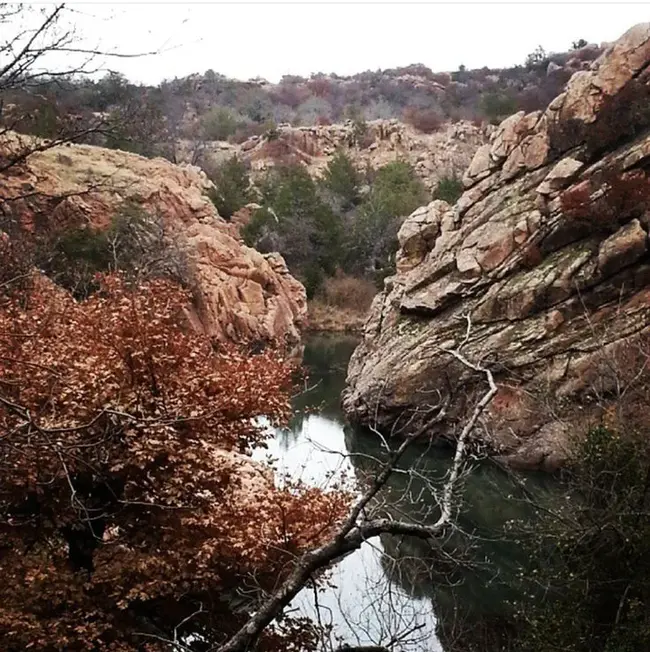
[395, 591]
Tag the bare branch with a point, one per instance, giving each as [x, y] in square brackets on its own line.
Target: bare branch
[353, 532]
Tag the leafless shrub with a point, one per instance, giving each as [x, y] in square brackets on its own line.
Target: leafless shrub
[427, 121]
[348, 292]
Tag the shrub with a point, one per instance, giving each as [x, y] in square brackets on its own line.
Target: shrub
[348, 292]
[497, 106]
[398, 189]
[359, 126]
[218, 124]
[589, 588]
[248, 129]
[448, 189]
[395, 192]
[538, 58]
[121, 468]
[320, 87]
[295, 221]
[232, 187]
[138, 126]
[135, 243]
[313, 107]
[425, 120]
[342, 179]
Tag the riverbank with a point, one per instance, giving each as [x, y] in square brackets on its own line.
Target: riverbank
[326, 318]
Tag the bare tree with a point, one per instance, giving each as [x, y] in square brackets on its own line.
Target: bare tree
[33, 39]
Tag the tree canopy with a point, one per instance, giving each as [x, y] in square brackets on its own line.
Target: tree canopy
[128, 514]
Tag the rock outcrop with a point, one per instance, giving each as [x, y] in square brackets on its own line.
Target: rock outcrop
[242, 295]
[446, 152]
[546, 255]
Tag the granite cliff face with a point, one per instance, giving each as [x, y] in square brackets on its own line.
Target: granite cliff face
[446, 152]
[547, 254]
[242, 295]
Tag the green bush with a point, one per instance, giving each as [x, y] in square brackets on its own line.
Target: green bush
[589, 588]
[395, 192]
[232, 187]
[398, 190]
[342, 179]
[497, 106]
[218, 124]
[295, 221]
[135, 243]
[138, 126]
[449, 189]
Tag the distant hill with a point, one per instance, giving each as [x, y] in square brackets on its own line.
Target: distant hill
[213, 107]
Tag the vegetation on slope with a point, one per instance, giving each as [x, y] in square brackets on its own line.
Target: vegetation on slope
[345, 222]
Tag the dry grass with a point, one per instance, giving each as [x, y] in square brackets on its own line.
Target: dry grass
[347, 292]
[331, 319]
[342, 304]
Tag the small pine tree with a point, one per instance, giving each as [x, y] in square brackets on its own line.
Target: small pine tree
[342, 179]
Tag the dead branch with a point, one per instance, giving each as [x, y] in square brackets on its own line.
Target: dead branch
[355, 529]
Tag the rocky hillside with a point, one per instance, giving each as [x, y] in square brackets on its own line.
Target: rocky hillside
[444, 153]
[241, 295]
[413, 91]
[546, 254]
[150, 120]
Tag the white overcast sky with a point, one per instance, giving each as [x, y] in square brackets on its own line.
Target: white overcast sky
[270, 39]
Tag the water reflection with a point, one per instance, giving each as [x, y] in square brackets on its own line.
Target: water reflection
[413, 593]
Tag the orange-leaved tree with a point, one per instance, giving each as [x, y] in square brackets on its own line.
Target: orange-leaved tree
[129, 512]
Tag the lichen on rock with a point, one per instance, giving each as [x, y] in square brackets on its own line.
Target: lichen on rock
[554, 293]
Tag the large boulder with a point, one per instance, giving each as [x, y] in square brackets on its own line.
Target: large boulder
[241, 295]
[546, 259]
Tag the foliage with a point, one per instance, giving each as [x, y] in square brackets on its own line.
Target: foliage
[218, 124]
[580, 43]
[425, 120]
[397, 189]
[316, 239]
[135, 243]
[43, 120]
[138, 127]
[537, 58]
[497, 106]
[295, 221]
[310, 110]
[127, 512]
[359, 125]
[232, 187]
[371, 242]
[449, 189]
[342, 179]
[592, 555]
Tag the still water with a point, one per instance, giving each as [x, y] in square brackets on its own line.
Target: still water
[395, 591]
